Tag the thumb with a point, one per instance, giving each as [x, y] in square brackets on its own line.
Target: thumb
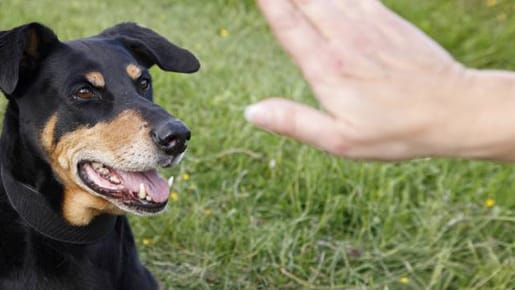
[299, 122]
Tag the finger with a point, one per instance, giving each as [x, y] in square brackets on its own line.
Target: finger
[301, 40]
[299, 122]
[384, 16]
[354, 42]
[327, 17]
[393, 28]
[345, 24]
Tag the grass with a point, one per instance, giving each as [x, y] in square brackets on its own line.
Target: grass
[258, 211]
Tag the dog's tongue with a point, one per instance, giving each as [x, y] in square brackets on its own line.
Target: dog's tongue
[155, 185]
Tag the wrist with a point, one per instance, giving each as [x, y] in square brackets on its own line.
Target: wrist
[482, 122]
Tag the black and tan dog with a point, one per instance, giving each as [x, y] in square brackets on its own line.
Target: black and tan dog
[80, 145]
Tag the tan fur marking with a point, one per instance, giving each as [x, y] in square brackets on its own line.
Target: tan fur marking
[133, 71]
[96, 79]
[81, 206]
[47, 136]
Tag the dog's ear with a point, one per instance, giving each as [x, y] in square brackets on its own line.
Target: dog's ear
[151, 48]
[20, 51]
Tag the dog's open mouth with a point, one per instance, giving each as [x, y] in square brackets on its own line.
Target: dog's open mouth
[144, 191]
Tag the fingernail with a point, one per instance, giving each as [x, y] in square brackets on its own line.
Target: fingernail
[255, 113]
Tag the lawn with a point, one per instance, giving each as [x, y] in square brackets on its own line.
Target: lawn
[252, 210]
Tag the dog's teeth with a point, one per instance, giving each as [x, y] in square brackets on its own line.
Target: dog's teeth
[103, 171]
[170, 181]
[142, 193]
[148, 198]
[96, 165]
[100, 168]
[114, 179]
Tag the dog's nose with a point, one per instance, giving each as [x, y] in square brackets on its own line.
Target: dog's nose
[171, 136]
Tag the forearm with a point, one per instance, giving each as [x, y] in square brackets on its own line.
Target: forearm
[483, 124]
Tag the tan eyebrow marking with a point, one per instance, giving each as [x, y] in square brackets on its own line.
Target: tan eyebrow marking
[133, 71]
[96, 79]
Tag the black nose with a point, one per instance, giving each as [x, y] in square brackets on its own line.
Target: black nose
[171, 136]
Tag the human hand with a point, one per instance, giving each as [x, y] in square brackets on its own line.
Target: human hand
[389, 91]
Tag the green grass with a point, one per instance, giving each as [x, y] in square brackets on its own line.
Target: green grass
[312, 221]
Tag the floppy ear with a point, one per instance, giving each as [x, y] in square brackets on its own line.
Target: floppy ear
[151, 48]
[20, 50]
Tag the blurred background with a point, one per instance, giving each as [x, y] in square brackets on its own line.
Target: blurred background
[251, 210]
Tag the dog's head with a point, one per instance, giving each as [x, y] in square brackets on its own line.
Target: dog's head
[86, 108]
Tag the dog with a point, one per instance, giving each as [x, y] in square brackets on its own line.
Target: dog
[80, 146]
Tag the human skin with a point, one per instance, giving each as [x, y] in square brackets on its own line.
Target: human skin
[387, 90]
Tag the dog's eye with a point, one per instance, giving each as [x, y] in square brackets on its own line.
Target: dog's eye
[144, 84]
[84, 93]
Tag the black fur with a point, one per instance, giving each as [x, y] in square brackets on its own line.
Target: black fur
[39, 75]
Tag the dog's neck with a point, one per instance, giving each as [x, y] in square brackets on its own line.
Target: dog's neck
[17, 156]
[35, 194]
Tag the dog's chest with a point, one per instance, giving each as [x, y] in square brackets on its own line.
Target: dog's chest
[41, 264]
